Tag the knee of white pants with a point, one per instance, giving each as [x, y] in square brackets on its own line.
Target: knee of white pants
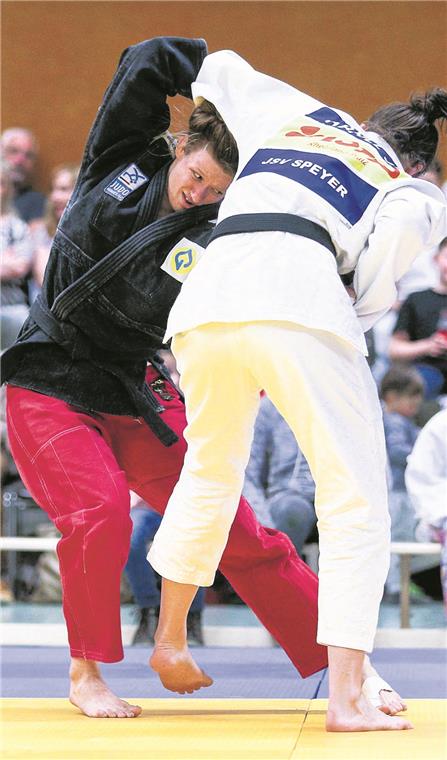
[189, 554]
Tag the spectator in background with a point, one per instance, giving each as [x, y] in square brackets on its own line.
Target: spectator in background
[278, 483]
[401, 391]
[63, 180]
[19, 149]
[144, 581]
[426, 481]
[15, 262]
[420, 334]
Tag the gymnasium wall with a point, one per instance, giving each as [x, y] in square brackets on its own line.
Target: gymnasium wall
[58, 57]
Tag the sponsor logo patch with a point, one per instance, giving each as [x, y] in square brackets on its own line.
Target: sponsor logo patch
[331, 158]
[129, 180]
[326, 176]
[182, 259]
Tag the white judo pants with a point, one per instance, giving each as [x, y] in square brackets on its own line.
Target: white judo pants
[324, 389]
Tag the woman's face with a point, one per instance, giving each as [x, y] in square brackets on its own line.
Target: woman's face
[195, 179]
[61, 190]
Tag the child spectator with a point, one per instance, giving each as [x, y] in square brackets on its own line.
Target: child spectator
[401, 391]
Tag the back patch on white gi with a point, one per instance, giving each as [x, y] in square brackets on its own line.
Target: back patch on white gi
[182, 259]
[129, 180]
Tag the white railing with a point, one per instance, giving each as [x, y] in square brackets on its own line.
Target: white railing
[405, 549]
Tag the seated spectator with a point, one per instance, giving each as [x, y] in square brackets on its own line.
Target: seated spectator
[426, 481]
[63, 180]
[144, 581]
[420, 333]
[278, 483]
[15, 262]
[19, 149]
[401, 391]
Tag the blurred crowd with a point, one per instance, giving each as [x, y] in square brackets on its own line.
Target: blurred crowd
[408, 360]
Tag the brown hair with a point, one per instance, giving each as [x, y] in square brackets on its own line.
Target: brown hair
[207, 128]
[405, 381]
[410, 127]
[50, 217]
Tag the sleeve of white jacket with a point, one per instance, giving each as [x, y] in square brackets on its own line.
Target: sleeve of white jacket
[407, 221]
[426, 472]
[251, 103]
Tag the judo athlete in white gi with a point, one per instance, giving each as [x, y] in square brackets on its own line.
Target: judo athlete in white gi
[268, 310]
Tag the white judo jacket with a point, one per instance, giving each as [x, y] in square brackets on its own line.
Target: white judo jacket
[299, 156]
[426, 472]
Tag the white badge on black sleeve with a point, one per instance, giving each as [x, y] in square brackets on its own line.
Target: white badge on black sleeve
[182, 259]
[125, 183]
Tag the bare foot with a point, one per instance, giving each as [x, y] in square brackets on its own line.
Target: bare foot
[378, 692]
[360, 715]
[392, 702]
[177, 670]
[93, 697]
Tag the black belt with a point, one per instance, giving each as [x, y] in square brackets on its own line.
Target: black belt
[144, 400]
[273, 223]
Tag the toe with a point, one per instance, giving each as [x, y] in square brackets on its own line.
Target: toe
[400, 724]
[99, 714]
[131, 710]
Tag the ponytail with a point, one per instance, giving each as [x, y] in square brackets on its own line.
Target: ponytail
[432, 105]
[410, 128]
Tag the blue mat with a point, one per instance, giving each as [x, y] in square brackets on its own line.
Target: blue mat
[414, 673]
[264, 673]
[245, 673]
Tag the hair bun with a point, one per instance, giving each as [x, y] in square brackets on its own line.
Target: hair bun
[432, 104]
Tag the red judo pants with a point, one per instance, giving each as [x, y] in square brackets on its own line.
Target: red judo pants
[79, 469]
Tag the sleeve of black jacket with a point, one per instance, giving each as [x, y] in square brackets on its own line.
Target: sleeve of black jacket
[134, 108]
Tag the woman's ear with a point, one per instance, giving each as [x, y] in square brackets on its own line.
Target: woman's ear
[180, 147]
[416, 169]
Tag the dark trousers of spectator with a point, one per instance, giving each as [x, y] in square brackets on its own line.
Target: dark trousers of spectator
[140, 574]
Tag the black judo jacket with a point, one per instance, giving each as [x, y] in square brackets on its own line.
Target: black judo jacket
[105, 300]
